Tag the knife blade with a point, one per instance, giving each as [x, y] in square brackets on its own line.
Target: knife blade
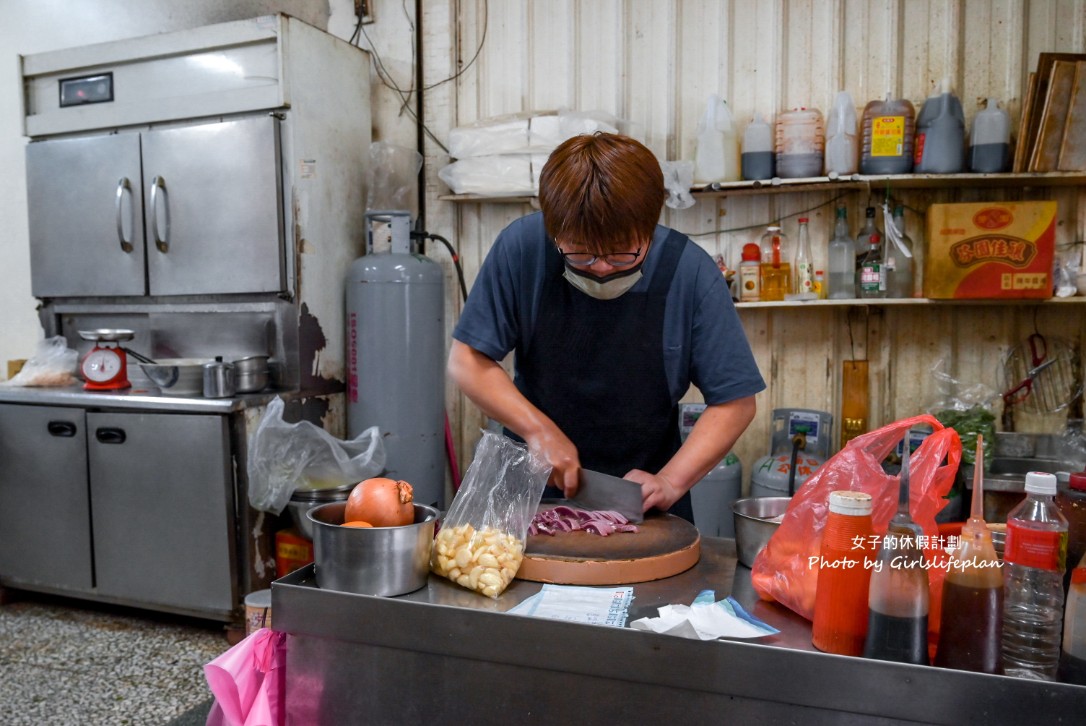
[603, 491]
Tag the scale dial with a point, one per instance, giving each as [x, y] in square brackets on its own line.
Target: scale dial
[102, 365]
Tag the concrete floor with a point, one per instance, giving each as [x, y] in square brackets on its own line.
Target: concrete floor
[67, 661]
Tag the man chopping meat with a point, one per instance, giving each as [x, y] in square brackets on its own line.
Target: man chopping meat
[611, 317]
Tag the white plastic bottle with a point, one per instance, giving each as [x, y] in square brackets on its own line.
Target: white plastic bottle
[757, 158]
[842, 141]
[716, 158]
[800, 143]
[899, 266]
[990, 140]
[1034, 556]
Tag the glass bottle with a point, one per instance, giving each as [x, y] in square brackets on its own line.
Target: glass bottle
[899, 267]
[872, 272]
[803, 282]
[750, 274]
[842, 259]
[897, 626]
[776, 270]
[863, 241]
[971, 626]
[844, 575]
[1033, 560]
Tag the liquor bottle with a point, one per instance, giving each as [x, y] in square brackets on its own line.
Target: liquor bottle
[842, 258]
[872, 272]
[803, 283]
[899, 267]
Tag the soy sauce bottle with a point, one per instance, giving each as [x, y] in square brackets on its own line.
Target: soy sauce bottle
[971, 627]
[897, 626]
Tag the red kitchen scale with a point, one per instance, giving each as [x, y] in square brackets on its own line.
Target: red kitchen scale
[105, 367]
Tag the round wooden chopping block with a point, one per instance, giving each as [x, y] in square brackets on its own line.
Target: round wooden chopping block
[664, 545]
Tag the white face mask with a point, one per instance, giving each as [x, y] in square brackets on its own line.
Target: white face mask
[607, 287]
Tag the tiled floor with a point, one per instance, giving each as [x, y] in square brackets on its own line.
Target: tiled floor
[71, 662]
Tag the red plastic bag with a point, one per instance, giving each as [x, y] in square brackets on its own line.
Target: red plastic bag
[782, 570]
[247, 681]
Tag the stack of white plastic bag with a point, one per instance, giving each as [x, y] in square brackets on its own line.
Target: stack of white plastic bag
[504, 155]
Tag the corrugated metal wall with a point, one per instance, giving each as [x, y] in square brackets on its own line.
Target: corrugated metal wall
[654, 63]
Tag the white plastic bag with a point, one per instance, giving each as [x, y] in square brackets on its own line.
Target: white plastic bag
[287, 456]
[53, 364]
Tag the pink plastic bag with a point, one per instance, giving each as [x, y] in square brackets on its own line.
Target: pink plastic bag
[247, 681]
[783, 571]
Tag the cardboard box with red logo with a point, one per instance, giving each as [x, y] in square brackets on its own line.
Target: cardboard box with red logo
[990, 250]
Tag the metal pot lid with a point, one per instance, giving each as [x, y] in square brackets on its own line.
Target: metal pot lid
[108, 335]
[330, 494]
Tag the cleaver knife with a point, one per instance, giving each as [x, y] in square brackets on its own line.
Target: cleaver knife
[603, 491]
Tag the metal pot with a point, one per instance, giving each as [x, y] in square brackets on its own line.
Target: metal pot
[218, 379]
[302, 500]
[177, 376]
[251, 373]
[385, 561]
[756, 519]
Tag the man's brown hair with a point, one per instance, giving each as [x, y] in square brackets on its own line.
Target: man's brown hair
[603, 193]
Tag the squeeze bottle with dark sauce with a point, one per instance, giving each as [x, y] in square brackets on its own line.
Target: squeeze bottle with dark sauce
[971, 627]
[897, 626]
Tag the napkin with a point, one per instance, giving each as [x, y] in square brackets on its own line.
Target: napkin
[705, 619]
[592, 605]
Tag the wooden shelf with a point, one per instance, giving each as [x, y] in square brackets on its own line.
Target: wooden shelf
[909, 301]
[826, 184]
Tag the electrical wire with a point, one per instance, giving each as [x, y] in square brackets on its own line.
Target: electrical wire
[763, 225]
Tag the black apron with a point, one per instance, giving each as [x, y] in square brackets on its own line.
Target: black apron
[596, 368]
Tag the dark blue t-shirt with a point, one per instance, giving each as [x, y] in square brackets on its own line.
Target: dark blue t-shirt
[704, 343]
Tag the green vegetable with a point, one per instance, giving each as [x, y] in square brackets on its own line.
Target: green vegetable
[969, 423]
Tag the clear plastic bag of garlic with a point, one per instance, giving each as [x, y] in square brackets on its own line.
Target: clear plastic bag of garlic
[484, 560]
[481, 541]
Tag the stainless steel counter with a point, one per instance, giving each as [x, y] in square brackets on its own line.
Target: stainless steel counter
[446, 655]
[141, 399]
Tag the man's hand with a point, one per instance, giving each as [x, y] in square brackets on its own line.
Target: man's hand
[555, 448]
[656, 490]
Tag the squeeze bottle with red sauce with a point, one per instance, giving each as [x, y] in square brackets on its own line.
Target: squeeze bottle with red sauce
[844, 575]
[971, 627]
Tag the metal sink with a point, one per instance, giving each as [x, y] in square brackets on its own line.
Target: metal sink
[1005, 481]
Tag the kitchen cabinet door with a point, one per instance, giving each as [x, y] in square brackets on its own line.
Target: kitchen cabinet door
[213, 211]
[162, 508]
[45, 537]
[85, 209]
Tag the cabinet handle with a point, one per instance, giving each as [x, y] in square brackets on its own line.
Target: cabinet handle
[161, 242]
[124, 186]
[110, 435]
[61, 428]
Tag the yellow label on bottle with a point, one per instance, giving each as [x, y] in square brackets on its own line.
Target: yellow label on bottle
[887, 136]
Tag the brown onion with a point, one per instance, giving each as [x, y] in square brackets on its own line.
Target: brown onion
[381, 502]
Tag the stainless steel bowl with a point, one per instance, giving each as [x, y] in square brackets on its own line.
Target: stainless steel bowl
[385, 561]
[754, 524]
[251, 373]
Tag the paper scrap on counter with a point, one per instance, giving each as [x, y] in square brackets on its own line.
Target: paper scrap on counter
[705, 619]
[591, 605]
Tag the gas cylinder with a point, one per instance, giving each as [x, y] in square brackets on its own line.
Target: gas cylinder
[712, 497]
[396, 356]
[799, 443]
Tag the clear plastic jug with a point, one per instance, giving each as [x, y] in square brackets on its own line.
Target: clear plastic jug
[716, 157]
[800, 142]
[757, 158]
[990, 140]
[888, 133]
[842, 143]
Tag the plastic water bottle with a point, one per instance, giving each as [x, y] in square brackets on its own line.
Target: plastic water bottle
[716, 157]
[940, 133]
[1034, 558]
[842, 258]
[842, 143]
[990, 140]
[757, 157]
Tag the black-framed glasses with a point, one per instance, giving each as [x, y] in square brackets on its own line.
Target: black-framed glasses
[615, 259]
